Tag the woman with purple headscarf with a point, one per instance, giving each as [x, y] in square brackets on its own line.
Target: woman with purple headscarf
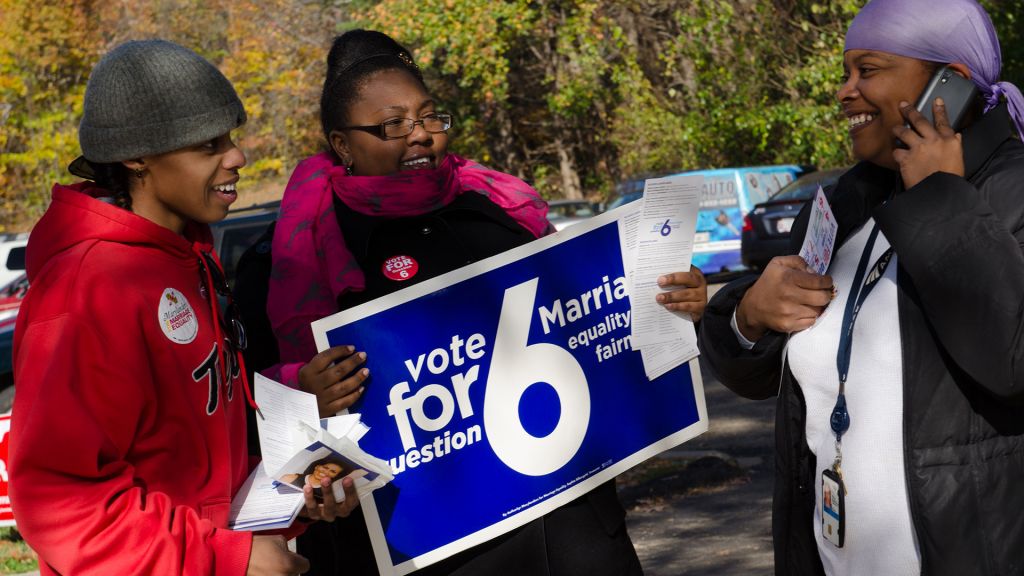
[900, 373]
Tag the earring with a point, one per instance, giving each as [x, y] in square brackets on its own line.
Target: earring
[139, 173]
[348, 166]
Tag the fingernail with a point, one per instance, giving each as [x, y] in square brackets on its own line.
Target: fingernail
[350, 349]
[660, 297]
[835, 292]
[361, 390]
[904, 103]
[940, 102]
[362, 355]
[662, 280]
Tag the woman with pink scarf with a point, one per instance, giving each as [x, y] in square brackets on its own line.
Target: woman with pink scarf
[386, 207]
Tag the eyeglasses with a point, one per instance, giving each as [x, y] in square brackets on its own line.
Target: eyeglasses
[402, 127]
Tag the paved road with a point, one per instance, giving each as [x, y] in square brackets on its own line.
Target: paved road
[704, 508]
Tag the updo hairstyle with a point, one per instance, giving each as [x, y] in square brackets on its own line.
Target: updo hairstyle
[354, 57]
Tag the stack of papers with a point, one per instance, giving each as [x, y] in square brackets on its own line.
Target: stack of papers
[298, 449]
[656, 239]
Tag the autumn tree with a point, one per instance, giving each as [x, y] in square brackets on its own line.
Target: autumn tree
[45, 58]
[571, 95]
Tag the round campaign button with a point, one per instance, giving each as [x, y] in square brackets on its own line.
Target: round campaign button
[400, 268]
[177, 319]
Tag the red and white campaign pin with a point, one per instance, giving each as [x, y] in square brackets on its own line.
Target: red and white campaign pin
[177, 319]
[400, 268]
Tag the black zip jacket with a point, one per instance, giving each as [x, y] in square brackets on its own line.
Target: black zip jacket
[960, 286]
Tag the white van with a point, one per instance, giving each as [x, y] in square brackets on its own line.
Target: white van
[12, 256]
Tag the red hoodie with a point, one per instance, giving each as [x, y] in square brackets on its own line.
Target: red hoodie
[126, 444]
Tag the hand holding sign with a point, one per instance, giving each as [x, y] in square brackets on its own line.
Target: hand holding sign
[487, 406]
[333, 377]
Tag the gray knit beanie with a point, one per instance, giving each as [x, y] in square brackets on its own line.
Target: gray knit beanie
[152, 96]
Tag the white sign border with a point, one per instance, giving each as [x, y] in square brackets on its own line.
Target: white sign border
[370, 513]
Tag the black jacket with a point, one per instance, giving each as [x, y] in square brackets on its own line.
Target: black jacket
[585, 536]
[960, 286]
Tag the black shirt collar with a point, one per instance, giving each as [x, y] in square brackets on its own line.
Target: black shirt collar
[981, 138]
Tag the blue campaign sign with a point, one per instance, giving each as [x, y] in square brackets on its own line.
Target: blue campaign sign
[505, 389]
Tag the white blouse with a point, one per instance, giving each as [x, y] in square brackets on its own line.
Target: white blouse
[879, 537]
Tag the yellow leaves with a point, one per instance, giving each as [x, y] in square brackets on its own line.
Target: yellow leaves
[267, 166]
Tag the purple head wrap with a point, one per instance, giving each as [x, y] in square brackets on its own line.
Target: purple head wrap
[939, 31]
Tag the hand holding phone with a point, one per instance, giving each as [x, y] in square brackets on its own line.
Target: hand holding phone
[934, 148]
[956, 92]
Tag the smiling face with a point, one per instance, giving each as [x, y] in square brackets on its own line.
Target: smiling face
[875, 83]
[388, 95]
[195, 183]
[328, 470]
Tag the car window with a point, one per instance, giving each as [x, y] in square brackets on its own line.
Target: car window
[798, 191]
[234, 243]
[625, 199]
[570, 210]
[16, 258]
[804, 188]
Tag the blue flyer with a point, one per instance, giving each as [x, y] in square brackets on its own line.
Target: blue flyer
[505, 389]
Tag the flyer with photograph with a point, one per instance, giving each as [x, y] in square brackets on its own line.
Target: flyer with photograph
[299, 448]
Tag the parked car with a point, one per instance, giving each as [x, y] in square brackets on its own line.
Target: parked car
[766, 227]
[234, 235]
[563, 213]
[11, 295]
[726, 195]
[12, 256]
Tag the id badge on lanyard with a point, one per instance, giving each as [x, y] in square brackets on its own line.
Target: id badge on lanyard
[833, 487]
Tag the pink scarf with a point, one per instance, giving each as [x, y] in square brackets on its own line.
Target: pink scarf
[311, 264]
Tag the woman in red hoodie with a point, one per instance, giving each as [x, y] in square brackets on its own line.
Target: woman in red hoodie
[128, 436]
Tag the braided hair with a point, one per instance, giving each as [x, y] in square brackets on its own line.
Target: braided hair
[115, 178]
[354, 57]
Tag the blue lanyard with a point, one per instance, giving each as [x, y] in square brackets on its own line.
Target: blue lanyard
[840, 419]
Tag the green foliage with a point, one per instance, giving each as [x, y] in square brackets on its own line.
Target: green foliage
[272, 50]
[606, 90]
[15, 555]
[572, 95]
[44, 61]
[1008, 18]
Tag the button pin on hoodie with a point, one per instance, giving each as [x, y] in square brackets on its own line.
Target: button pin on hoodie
[177, 319]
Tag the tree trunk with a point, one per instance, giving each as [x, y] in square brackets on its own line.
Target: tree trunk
[571, 188]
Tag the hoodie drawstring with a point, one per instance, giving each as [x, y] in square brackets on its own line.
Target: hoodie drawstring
[211, 288]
